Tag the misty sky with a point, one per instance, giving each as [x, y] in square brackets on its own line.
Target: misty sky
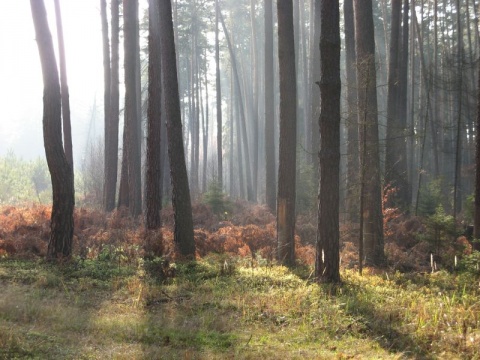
[21, 80]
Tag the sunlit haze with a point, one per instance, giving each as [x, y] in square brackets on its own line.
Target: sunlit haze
[21, 79]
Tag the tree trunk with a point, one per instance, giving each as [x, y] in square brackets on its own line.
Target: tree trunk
[404, 193]
[107, 76]
[457, 185]
[61, 226]
[111, 151]
[328, 236]
[476, 224]
[67, 126]
[395, 159]
[288, 135]
[131, 110]
[123, 192]
[314, 96]
[154, 114]
[250, 196]
[219, 101]
[270, 179]
[182, 207]
[254, 56]
[352, 119]
[368, 118]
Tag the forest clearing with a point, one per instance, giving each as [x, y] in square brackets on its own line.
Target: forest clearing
[278, 179]
[111, 301]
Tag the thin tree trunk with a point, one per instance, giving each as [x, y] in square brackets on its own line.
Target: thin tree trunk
[205, 134]
[67, 126]
[352, 118]
[219, 101]
[457, 185]
[107, 193]
[314, 95]
[270, 179]
[476, 221]
[61, 226]
[254, 55]
[250, 195]
[111, 173]
[183, 232]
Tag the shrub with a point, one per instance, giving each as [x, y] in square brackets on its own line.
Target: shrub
[216, 199]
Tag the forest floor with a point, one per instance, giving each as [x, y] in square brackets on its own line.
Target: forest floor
[115, 300]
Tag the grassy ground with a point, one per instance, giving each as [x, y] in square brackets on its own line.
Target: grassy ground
[222, 308]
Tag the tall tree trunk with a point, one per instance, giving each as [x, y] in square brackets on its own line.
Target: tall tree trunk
[404, 193]
[204, 140]
[61, 226]
[250, 195]
[270, 178]
[154, 114]
[254, 55]
[106, 106]
[288, 135]
[67, 126]
[183, 232]
[219, 101]
[328, 236]
[231, 145]
[352, 119]
[457, 185]
[393, 174]
[368, 117]
[111, 152]
[131, 110]
[476, 221]
[314, 96]
[238, 133]
[123, 191]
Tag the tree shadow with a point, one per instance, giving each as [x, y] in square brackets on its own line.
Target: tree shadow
[181, 321]
[381, 325]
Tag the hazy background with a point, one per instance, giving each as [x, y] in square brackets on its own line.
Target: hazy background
[21, 87]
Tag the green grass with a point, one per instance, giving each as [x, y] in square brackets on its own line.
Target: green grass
[222, 308]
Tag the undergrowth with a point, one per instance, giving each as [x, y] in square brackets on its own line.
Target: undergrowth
[124, 295]
[229, 307]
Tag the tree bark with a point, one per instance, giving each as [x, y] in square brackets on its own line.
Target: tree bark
[67, 126]
[131, 110]
[182, 207]
[255, 87]
[457, 185]
[250, 195]
[288, 135]
[111, 153]
[107, 76]
[352, 118]
[328, 236]
[476, 224]
[154, 115]
[270, 178]
[219, 101]
[314, 96]
[368, 118]
[393, 155]
[61, 226]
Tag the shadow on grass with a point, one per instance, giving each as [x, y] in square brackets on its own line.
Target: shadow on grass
[185, 316]
[381, 325]
[49, 311]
